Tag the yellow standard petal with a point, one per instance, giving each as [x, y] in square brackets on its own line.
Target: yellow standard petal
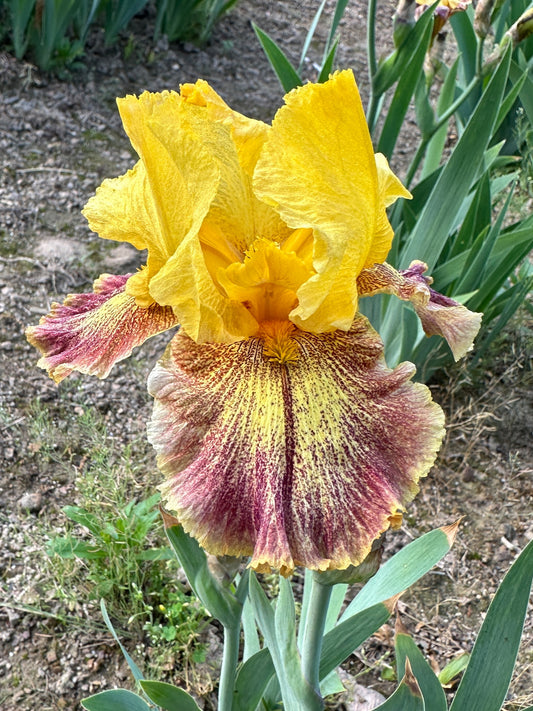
[389, 190]
[318, 170]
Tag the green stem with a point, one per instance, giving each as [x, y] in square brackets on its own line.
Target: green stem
[479, 57]
[314, 631]
[371, 39]
[230, 659]
[372, 62]
[453, 107]
[372, 111]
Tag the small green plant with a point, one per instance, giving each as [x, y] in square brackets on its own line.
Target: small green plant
[178, 621]
[114, 547]
[189, 19]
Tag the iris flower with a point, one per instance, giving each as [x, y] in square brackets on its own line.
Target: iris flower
[281, 431]
[444, 10]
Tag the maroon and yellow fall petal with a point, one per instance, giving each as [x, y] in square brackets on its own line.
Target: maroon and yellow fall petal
[440, 315]
[91, 332]
[292, 448]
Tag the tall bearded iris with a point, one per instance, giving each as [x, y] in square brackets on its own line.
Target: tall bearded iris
[282, 432]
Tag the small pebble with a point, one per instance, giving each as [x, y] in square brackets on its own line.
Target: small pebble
[32, 502]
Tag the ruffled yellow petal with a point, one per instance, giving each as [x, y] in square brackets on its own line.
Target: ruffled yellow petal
[123, 209]
[317, 169]
[248, 134]
[389, 190]
[204, 312]
[266, 282]
[228, 138]
[182, 175]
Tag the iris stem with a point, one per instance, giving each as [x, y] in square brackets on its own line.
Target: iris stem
[230, 659]
[314, 631]
[372, 62]
[479, 57]
[371, 39]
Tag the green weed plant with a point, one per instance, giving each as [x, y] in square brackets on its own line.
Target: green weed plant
[114, 547]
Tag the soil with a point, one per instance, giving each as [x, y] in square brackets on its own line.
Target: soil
[58, 140]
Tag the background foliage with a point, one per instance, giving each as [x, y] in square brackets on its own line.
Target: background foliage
[53, 33]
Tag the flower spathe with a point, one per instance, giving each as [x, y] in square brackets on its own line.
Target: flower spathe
[282, 433]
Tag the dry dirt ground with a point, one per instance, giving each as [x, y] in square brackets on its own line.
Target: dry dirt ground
[58, 141]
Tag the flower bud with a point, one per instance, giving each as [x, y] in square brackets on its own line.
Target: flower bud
[356, 573]
[482, 17]
[522, 28]
[404, 19]
[518, 32]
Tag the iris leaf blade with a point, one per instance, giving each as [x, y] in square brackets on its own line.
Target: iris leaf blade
[438, 140]
[454, 182]
[286, 73]
[251, 681]
[310, 34]
[349, 634]
[115, 700]
[488, 675]
[402, 570]
[406, 698]
[218, 600]
[432, 692]
[169, 697]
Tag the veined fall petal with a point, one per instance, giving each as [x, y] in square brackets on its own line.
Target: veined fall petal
[440, 315]
[91, 332]
[299, 462]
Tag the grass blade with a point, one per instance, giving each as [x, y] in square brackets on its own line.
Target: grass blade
[310, 34]
[137, 673]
